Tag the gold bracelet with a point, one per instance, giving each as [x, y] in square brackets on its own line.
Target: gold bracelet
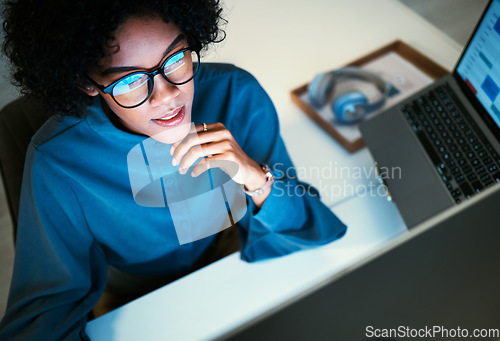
[269, 182]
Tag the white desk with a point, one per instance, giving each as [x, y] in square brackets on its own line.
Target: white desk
[284, 43]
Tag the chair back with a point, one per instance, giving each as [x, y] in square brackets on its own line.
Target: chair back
[19, 121]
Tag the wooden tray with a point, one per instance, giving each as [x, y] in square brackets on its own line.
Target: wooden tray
[420, 61]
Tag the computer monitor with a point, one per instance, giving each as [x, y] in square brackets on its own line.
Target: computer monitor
[440, 280]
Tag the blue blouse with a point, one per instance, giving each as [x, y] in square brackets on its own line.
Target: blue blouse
[78, 213]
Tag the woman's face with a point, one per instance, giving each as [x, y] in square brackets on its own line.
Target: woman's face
[144, 44]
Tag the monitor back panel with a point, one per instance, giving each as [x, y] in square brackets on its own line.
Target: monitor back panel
[447, 276]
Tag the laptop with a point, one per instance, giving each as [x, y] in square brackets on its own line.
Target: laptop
[442, 145]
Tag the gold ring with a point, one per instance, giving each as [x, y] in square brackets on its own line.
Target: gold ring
[205, 127]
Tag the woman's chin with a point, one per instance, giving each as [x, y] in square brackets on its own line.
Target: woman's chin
[173, 134]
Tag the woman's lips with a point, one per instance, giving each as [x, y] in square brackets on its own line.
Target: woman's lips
[171, 119]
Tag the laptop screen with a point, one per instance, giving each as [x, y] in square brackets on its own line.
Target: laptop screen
[479, 66]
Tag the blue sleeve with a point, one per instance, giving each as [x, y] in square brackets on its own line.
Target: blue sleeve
[293, 217]
[59, 270]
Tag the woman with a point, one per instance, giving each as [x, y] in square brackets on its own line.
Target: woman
[123, 76]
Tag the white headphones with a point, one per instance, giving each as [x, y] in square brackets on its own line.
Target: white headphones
[352, 107]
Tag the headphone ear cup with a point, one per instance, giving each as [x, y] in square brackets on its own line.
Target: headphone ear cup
[320, 89]
[350, 108]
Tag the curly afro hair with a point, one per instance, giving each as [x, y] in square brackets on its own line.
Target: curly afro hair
[52, 44]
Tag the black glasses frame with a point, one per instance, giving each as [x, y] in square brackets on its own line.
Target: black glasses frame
[109, 88]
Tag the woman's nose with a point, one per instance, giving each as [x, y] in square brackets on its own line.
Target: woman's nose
[163, 91]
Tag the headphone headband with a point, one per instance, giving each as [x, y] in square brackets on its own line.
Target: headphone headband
[354, 72]
[322, 88]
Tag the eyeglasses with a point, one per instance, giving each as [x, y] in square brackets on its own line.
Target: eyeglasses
[134, 89]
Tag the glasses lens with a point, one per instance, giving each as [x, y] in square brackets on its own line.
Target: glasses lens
[181, 67]
[131, 90]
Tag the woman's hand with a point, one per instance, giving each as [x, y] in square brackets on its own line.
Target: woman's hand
[214, 146]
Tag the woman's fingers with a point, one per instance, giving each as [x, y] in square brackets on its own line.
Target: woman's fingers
[197, 129]
[216, 161]
[216, 132]
[199, 151]
[215, 146]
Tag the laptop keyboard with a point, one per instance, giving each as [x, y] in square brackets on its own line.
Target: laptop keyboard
[463, 157]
